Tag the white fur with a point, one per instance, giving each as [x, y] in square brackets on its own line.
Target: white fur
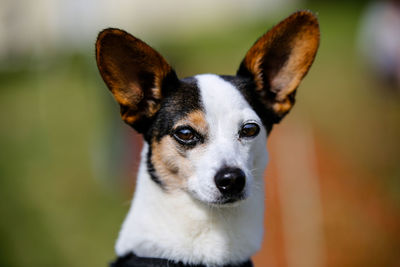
[181, 225]
[226, 111]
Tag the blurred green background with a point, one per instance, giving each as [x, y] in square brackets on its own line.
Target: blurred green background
[67, 161]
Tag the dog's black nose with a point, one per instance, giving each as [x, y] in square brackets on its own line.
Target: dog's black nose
[230, 181]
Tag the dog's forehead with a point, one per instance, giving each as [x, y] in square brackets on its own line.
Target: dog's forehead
[222, 100]
[217, 100]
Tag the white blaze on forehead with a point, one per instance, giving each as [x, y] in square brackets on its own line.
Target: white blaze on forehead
[226, 110]
[224, 105]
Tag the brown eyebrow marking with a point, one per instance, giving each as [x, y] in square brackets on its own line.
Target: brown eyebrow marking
[197, 120]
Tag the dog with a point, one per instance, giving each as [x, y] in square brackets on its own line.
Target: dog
[199, 198]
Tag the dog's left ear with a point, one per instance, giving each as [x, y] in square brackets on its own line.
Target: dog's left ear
[279, 60]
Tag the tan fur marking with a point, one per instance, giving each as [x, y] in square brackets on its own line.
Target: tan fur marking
[196, 120]
[172, 168]
[173, 164]
[299, 34]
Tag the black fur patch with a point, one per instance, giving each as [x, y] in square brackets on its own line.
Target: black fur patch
[151, 169]
[179, 100]
[147, 83]
[248, 89]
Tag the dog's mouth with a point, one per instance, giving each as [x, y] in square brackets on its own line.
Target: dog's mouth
[228, 201]
[221, 200]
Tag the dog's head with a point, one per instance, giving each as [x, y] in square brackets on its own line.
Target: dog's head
[206, 134]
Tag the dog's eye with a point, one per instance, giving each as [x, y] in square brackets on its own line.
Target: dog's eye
[249, 130]
[186, 136]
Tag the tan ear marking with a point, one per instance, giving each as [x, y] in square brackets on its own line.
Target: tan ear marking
[280, 59]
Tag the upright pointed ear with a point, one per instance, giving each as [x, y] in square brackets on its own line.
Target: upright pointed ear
[135, 73]
[279, 60]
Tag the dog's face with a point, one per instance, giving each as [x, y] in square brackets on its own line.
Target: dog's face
[205, 139]
[207, 134]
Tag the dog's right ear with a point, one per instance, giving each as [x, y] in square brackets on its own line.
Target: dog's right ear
[135, 73]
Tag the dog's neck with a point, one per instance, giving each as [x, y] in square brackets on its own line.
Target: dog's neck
[173, 225]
